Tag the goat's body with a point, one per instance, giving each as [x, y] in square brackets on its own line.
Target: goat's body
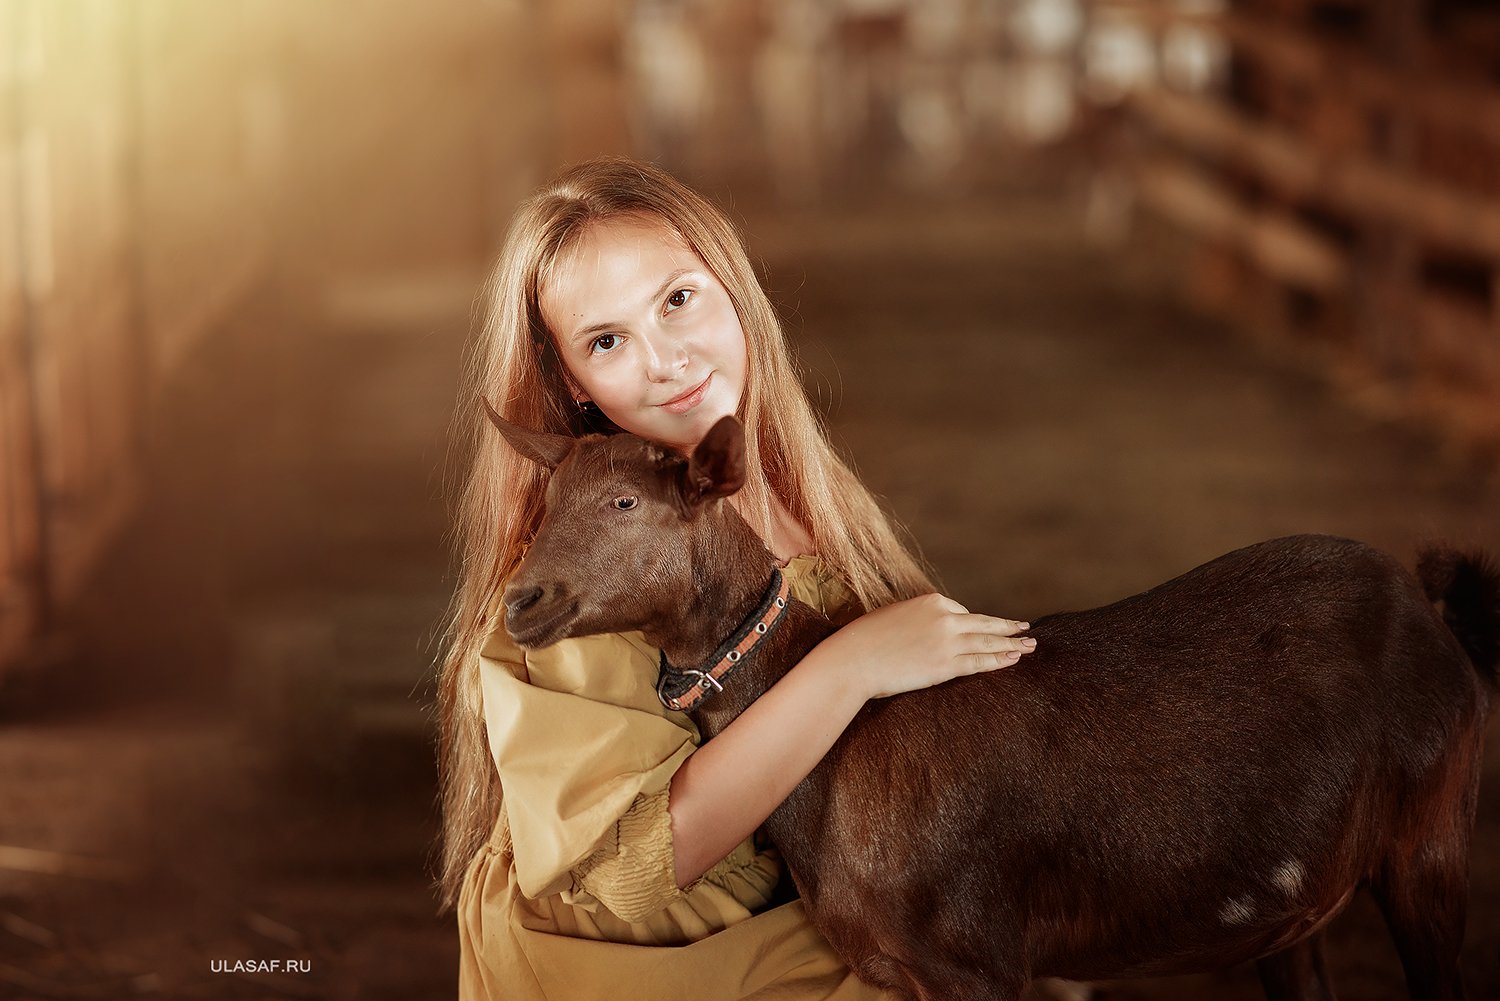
[1194, 776]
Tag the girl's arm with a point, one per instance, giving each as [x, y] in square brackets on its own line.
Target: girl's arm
[729, 786]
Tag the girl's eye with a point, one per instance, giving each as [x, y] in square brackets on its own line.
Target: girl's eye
[604, 342]
[624, 503]
[679, 298]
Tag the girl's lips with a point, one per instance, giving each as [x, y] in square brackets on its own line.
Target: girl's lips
[690, 399]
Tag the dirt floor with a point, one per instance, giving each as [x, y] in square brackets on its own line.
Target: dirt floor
[231, 758]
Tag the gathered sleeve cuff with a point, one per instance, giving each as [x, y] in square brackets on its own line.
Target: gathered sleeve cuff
[633, 871]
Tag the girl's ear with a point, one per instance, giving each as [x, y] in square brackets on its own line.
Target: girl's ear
[547, 450]
[717, 466]
[573, 390]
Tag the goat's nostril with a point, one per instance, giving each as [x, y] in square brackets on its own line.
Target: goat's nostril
[518, 598]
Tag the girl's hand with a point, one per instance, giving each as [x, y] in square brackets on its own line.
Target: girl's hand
[727, 787]
[924, 641]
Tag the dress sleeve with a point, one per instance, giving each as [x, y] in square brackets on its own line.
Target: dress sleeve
[632, 871]
[585, 755]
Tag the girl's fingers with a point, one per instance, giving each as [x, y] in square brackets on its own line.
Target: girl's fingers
[993, 623]
[949, 605]
[976, 622]
[975, 663]
[999, 643]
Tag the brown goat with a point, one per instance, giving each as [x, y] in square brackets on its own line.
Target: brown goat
[1189, 778]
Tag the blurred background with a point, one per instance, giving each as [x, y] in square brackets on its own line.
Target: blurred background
[1090, 291]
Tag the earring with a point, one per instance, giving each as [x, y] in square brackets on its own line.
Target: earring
[587, 406]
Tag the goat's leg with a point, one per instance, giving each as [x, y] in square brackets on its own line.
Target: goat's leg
[959, 977]
[1297, 973]
[1423, 897]
[937, 957]
[884, 972]
[1053, 989]
[962, 983]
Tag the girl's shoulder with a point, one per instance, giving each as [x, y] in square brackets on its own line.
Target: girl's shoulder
[617, 669]
[815, 583]
[606, 667]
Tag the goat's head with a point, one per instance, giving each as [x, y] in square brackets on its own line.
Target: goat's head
[623, 520]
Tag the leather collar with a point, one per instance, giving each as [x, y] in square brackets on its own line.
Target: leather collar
[680, 689]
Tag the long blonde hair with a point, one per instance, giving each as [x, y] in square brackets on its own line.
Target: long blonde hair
[513, 362]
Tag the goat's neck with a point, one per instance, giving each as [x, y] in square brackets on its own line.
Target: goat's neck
[731, 569]
[803, 628]
[797, 825]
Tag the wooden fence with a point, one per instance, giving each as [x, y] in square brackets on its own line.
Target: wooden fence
[1342, 184]
[129, 222]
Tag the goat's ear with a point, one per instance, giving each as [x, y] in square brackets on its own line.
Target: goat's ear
[717, 466]
[540, 447]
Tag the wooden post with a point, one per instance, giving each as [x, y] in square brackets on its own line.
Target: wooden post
[26, 592]
[1388, 278]
[583, 56]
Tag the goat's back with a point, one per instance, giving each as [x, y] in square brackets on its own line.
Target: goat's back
[1177, 766]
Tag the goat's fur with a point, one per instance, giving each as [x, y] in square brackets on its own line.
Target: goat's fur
[1195, 776]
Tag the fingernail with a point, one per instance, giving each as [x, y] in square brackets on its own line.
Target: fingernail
[1024, 625]
[1028, 642]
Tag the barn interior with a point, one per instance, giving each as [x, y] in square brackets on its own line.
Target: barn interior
[1089, 292]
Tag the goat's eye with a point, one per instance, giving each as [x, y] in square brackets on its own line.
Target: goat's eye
[624, 503]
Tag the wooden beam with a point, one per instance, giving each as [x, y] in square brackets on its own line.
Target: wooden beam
[1277, 243]
[1357, 185]
[1431, 93]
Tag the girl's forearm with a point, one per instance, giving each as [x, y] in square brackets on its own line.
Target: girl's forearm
[729, 786]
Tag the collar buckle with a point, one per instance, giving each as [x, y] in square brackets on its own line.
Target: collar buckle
[695, 684]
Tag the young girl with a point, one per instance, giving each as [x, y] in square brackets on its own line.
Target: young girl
[584, 830]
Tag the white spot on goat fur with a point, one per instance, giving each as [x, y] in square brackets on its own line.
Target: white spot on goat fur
[1288, 879]
[1060, 990]
[1237, 911]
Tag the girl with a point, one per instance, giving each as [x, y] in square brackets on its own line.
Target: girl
[583, 828]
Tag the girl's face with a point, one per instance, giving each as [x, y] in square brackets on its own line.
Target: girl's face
[645, 331]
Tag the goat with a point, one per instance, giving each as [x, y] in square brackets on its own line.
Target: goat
[1193, 777]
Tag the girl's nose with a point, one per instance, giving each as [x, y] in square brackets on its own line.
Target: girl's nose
[666, 356]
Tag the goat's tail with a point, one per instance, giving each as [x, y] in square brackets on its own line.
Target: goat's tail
[1468, 585]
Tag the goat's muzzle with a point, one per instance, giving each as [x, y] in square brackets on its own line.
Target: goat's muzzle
[519, 597]
[536, 615]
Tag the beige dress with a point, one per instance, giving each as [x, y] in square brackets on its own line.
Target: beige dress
[573, 897]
